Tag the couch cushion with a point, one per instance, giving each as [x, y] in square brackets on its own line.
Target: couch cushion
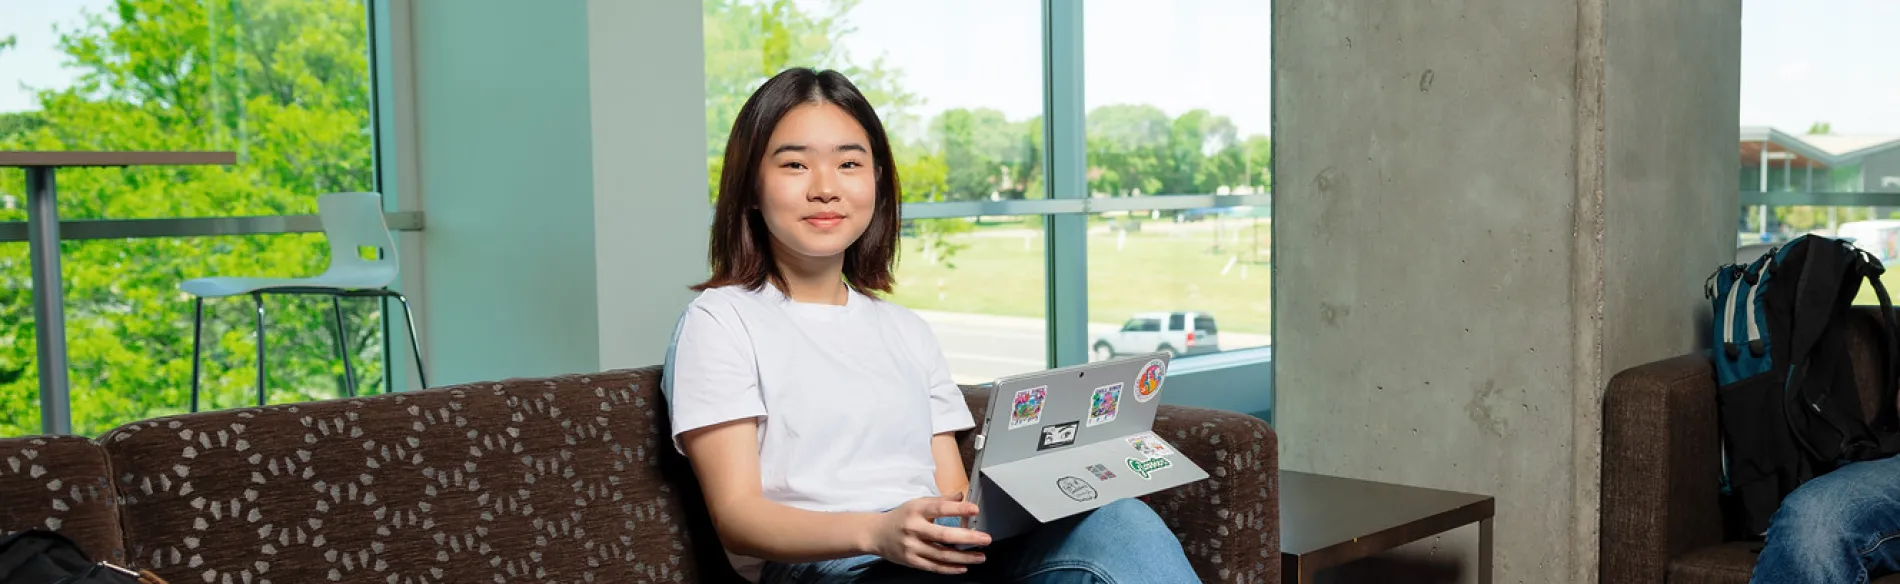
[1729, 563]
[61, 483]
[539, 480]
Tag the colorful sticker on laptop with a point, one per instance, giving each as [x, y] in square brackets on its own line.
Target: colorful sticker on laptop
[1106, 402]
[1057, 436]
[1150, 445]
[1148, 467]
[1027, 409]
[1148, 384]
[1101, 472]
[1076, 488]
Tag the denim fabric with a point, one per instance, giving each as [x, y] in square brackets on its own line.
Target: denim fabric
[1123, 541]
[1841, 527]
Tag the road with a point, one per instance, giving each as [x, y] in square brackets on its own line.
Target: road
[982, 348]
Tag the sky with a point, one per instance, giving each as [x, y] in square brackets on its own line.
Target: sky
[1803, 61]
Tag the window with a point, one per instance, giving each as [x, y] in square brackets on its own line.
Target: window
[1820, 148]
[1035, 167]
[286, 86]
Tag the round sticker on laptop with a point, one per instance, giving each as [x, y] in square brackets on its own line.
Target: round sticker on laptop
[1148, 384]
[1076, 488]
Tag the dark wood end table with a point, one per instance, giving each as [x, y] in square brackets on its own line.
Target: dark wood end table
[1327, 521]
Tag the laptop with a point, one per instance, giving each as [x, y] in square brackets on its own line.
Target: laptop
[1065, 441]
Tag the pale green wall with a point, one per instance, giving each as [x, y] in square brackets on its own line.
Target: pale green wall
[505, 166]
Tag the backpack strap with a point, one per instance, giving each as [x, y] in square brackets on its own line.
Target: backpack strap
[1812, 303]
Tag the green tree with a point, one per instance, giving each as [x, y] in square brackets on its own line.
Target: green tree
[282, 82]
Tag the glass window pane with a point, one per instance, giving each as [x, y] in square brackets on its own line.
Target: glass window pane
[129, 328]
[1167, 272]
[284, 84]
[19, 381]
[964, 117]
[980, 284]
[1196, 120]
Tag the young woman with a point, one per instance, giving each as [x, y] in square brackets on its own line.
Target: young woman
[821, 420]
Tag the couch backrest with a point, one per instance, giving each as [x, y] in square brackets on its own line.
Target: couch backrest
[61, 483]
[562, 479]
[1867, 345]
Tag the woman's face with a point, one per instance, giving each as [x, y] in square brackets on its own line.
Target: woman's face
[818, 184]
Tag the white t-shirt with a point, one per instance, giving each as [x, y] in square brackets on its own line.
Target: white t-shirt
[847, 397]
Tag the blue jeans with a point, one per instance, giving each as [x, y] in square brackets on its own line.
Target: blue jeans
[1841, 527]
[1123, 541]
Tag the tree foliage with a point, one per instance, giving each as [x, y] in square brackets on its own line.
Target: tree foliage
[282, 82]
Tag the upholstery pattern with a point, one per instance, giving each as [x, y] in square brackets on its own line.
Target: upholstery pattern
[1229, 524]
[550, 480]
[63, 484]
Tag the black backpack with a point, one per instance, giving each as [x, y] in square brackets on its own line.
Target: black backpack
[1788, 405]
[44, 557]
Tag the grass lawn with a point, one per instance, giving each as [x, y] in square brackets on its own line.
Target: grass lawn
[1162, 267]
[1889, 280]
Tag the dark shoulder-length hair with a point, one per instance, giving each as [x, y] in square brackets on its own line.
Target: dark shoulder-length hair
[740, 252]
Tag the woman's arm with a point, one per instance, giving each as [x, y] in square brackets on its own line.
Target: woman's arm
[726, 459]
[952, 478]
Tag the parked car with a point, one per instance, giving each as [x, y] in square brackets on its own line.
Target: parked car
[1175, 333]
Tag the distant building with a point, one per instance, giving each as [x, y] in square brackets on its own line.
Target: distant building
[1777, 161]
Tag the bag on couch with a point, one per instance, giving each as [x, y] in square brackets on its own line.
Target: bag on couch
[1788, 405]
[44, 557]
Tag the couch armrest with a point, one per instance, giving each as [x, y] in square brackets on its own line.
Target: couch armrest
[1229, 524]
[1661, 467]
[63, 484]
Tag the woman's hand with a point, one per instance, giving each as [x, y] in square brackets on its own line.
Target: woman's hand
[910, 536]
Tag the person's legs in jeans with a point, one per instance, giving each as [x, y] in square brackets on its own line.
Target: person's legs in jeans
[1121, 542]
[1841, 527]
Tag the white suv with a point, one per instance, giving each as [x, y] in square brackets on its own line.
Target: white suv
[1175, 333]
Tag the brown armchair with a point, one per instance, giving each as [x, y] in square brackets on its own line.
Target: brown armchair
[1662, 510]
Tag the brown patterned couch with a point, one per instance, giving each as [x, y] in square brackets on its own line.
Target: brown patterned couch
[1662, 513]
[567, 479]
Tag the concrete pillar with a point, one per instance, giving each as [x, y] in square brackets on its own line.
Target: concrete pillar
[1485, 209]
[560, 162]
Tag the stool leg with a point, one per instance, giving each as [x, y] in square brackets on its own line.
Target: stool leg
[414, 345]
[259, 299]
[343, 347]
[197, 343]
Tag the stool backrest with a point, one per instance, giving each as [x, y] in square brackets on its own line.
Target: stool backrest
[360, 242]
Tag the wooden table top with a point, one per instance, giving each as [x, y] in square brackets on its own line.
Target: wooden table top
[1336, 519]
[22, 159]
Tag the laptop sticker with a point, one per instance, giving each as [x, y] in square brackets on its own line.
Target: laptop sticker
[1148, 467]
[1105, 404]
[1150, 445]
[1027, 409]
[1057, 436]
[1101, 472]
[1075, 488]
[1148, 385]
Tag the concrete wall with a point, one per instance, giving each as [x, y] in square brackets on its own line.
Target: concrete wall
[1463, 190]
[560, 168]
